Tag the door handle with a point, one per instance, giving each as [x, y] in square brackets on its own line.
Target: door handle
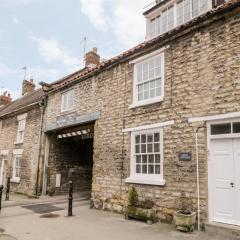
[232, 184]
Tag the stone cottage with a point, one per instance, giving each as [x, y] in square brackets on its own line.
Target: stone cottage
[163, 116]
[20, 134]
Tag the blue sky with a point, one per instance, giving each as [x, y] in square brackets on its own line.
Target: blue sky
[46, 35]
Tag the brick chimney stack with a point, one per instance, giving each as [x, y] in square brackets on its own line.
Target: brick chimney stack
[5, 99]
[28, 86]
[92, 58]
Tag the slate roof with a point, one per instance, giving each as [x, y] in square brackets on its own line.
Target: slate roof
[23, 102]
[228, 6]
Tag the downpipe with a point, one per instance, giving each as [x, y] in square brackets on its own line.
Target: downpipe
[198, 178]
[42, 105]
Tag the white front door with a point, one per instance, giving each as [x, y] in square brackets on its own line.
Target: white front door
[225, 157]
[3, 171]
[237, 177]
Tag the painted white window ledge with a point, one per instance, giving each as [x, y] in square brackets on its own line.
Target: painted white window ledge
[15, 180]
[145, 103]
[160, 182]
[17, 143]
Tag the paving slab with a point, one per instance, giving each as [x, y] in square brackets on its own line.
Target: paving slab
[87, 224]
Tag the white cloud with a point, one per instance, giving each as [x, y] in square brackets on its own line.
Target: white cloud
[52, 51]
[94, 10]
[15, 20]
[123, 18]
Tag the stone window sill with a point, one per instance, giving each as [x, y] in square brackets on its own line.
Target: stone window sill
[157, 182]
[145, 103]
[18, 143]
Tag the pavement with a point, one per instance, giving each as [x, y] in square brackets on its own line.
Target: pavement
[46, 219]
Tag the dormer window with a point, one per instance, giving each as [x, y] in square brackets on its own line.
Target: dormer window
[174, 13]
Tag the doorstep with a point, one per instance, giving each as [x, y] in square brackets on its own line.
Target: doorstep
[228, 232]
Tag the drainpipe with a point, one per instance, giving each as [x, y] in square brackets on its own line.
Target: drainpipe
[198, 182]
[42, 106]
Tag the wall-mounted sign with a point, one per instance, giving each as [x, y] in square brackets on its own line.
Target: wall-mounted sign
[185, 156]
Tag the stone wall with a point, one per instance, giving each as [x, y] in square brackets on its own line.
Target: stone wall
[8, 137]
[202, 70]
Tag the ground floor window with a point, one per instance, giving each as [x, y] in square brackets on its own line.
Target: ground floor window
[147, 155]
[17, 167]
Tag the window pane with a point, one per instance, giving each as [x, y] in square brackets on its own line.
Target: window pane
[195, 8]
[146, 90]
[144, 159]
[203, 6]
[139, 73]
[151, 158]
[236, 127]
[143, 138]
[145, 71]
[221, 129]
[140, 92]
[157, 169]
[164, 21]
[152, 93]
[157, 158]
[180, 12]
[137, 149]
[187, 10]
[144, 169]
[151, 69]
[156, 137]
[153, 28]
[156, 147]
[143, 148]
[138, 169]
[137, 139]
[138, 159]
[158, 91]
[150, 169]
[170, 18]
[158, 82]
[158, 25]
[150, 138]
[149, 148]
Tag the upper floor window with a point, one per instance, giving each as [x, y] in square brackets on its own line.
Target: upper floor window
[149, 80]
[21, 128]
[67, 101]
[175, 14]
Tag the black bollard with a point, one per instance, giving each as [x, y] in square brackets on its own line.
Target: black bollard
[7, 189]
[70, 199]
[1, 190]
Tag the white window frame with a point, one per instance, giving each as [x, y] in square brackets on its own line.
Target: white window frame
[148, 179]
[158, 12]
[146, 58]
[15, 178]
[67, 93]
[21, 128]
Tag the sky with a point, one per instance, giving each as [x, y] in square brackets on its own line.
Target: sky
[47, 36]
